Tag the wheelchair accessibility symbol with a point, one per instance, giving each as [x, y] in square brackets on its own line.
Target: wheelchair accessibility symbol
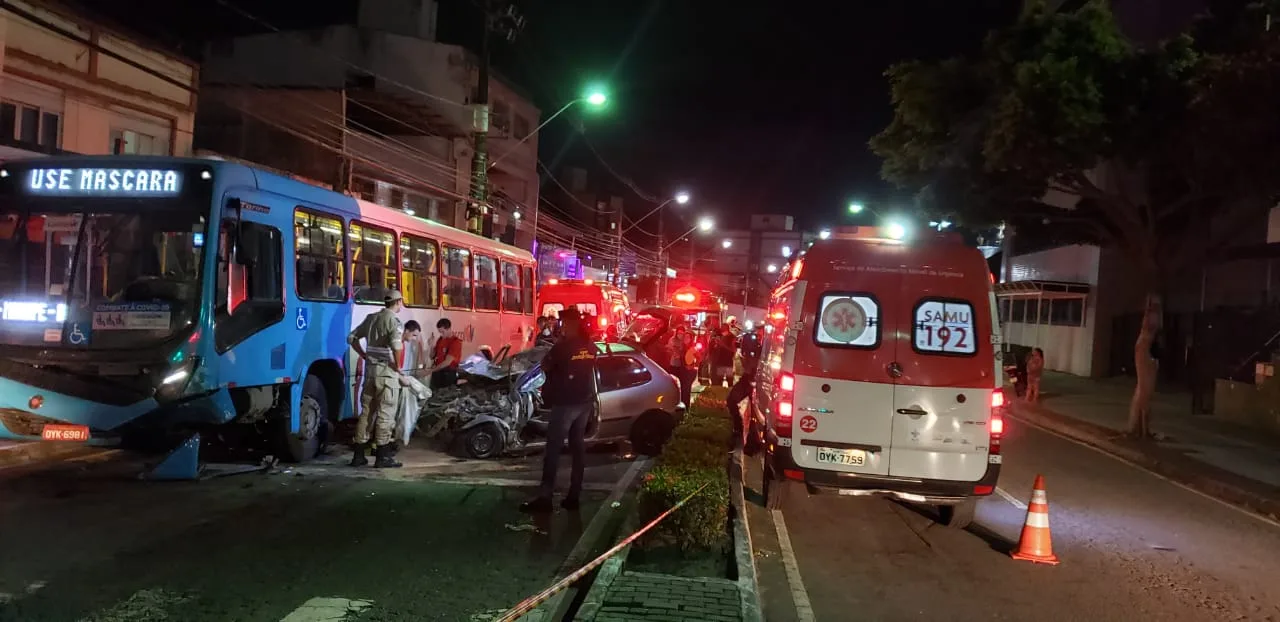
[76, 336]
[302, 320]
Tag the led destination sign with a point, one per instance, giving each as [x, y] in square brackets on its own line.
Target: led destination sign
[104, 182]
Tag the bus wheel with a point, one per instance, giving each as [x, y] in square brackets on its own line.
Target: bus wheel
[313, 423]
[483, 441]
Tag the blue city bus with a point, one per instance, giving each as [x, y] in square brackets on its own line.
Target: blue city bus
[151, 297]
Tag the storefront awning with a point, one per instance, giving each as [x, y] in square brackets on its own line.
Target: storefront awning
[1043, 290]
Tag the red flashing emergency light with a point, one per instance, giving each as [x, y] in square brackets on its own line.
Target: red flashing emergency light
[686, 295]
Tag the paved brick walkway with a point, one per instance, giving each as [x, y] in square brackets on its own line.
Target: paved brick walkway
[646, 597]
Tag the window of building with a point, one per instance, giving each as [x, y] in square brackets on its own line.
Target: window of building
[136, 143]
[1018, 311]
[487, 295]
[848, 319]
[318, 244]
[499, 119]
[614, 373]
[373, 262]
[398, 199]
[528, 290]
[1067, 312]
[944, 327]
[420, 271]
[520, 126]
[457, 278]
[511, 292]
[1003, 306]
[29, 124]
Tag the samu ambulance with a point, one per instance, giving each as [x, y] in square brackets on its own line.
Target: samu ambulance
[880, 374]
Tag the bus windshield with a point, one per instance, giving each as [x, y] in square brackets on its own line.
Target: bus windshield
[120, 275]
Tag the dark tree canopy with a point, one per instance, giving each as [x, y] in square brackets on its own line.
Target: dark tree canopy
[1162, 151]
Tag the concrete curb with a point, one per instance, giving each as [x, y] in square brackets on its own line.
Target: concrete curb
[605, 576]
[596, 535]
[24, 453]
[743, 550]
[1176, 466]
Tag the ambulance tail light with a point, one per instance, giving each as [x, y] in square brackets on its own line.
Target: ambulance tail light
[996, 429]
[784, 413]
[604, 322]
[787, 383]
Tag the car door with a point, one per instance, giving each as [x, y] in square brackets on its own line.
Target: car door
[621, 382]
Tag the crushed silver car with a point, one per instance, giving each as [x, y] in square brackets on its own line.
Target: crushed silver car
[498, 408]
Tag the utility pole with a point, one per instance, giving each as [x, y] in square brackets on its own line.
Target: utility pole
[662, 245]
[500, 18]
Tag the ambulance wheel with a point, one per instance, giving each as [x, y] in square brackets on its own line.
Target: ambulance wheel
[958, 516]
[483, 441]
[774, 489]
[313, 423]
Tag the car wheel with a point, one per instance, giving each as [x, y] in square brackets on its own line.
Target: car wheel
[313, 424]
[960, 515]
[483, 441]
[651, 432]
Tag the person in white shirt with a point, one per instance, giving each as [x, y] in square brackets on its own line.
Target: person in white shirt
[415, 358]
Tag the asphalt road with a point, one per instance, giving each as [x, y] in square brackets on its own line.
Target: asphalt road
[88, 541]
[1133, 547]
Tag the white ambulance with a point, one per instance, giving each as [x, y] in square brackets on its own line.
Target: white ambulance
[880, 375]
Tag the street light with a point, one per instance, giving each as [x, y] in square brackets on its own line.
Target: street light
[595, 98]
[855, 207]
[773, 267]
[824, 234]
[896, 230]
[726, 244]
[786, 251]
[682, 197]
[706, 224]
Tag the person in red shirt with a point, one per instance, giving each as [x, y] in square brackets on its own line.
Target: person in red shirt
[445, 356]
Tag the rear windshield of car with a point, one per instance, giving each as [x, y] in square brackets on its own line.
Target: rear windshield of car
[848, 320]
[944, 326]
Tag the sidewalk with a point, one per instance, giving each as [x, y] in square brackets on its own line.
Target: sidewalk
[1233, 462]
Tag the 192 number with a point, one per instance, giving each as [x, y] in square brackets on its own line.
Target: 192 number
[946, 338]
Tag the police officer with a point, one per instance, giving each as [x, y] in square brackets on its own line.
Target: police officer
[570, 391]
[383, 355]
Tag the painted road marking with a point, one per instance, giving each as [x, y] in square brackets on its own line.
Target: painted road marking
[327, 610]
[1249, 513]
[1010, 498]
[804, 610]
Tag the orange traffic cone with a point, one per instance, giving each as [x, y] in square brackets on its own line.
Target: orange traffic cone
[1035, 545]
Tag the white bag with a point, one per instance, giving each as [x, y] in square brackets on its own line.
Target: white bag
[413, 394]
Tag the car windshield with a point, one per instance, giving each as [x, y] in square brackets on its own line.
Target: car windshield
[98, 278]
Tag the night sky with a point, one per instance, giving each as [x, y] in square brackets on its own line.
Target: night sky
[763, 106]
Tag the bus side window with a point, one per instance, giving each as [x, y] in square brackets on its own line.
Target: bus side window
[254, 285]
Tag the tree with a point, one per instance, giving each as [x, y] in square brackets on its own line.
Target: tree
[1164, 153]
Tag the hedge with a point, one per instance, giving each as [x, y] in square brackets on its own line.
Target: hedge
[697, 454]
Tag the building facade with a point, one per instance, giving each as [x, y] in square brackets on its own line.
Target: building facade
[69, 84]
[743, 264]
[379, 109]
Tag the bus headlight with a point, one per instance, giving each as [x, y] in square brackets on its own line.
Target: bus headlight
[174, 382]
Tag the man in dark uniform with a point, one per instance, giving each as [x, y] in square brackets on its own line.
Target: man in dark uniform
[752, 345]
[570, 391]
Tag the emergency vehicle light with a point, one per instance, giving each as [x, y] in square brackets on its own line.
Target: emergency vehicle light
[686, 297]
[589, 282]
[552, 281]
